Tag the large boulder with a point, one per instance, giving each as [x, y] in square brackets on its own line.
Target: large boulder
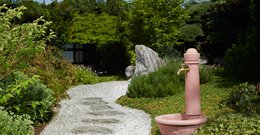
[147, 60]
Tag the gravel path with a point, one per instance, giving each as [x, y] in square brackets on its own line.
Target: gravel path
[91, 110]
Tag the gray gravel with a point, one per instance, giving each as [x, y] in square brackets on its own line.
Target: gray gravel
[91, 110]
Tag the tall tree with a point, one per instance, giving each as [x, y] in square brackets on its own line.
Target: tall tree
[154, 22]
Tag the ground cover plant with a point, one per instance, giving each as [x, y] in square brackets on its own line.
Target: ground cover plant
[11, 124]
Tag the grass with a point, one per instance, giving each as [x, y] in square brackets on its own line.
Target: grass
[110, 78]
[211, 96]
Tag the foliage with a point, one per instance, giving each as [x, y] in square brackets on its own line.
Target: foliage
[247, 64]
[154, 23]
[221, 22]
[244, 99]
[23, 95]
[11, 124]
[54, 71]
[85, 75]
[80, 6]
[206, 73]
[151, 85]
[96, 29]
[102, 31]
[19, 43]
[189, 34]
[34, 11]
[230, 124]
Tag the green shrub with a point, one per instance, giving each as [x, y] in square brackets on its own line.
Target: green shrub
[162, 83]
[243, 98]
[242, 60]
[165, 81]
[23, 95]
[19, 43]
[11, 124]
[232, 124]
[85, 75]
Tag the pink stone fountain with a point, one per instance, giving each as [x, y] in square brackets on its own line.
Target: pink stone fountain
[188, 122]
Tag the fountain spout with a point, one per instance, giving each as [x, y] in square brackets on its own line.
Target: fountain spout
[184, 68]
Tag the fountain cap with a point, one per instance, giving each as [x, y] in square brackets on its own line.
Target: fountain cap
[191, 56]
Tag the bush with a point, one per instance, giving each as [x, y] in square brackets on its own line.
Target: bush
[246, 65]
[232, 124]
[85, 75]
[54, 71]
[244, 98]
[19, 43]
[162, 83]
[11, 124]
[23, 95]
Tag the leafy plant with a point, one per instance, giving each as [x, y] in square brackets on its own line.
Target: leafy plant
[11, 124]
[85, 75]
[23, 95]
[19, 42]
[244, 98]
[232, 124]
[54, 71]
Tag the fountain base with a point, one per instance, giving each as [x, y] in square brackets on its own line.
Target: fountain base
[179, 124]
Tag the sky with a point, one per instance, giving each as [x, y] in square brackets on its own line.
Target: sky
[46, 1]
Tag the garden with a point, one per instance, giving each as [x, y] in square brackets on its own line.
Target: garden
[34, 75]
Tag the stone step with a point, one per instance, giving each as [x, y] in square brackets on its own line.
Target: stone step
[101, 121]
[106, 113]
[92, 130]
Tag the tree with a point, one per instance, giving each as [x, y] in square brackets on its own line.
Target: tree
[99, 29]
[155, 22]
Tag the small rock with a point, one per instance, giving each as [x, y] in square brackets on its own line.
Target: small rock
[129, 71]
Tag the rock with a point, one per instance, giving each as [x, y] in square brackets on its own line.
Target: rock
[147, 60]
[129, 71]
[101, 121]
[92, 130]
[100, 107]
[106, 113]
[94, 101]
